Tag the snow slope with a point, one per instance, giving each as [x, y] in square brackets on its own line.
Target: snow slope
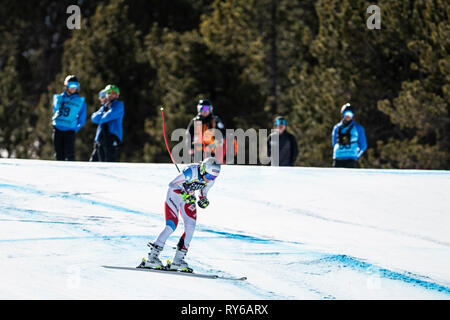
[296, 233]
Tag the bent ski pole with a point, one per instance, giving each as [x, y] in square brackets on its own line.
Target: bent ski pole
[165, 138]
[168, 149]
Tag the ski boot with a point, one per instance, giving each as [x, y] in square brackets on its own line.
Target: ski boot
[178, 263]
[153, 261]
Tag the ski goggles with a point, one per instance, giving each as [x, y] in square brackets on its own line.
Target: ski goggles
[203, 108]
[280, 122]
[73, 85]
[210, 176]
[348, 113]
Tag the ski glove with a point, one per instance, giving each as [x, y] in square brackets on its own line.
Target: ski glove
[187, 197]
[203, 202]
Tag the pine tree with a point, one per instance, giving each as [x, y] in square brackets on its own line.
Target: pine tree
[104, 51]
[15, 129]
[421, 108]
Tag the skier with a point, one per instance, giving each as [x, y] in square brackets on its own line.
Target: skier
[69, 115]
[181, 198]
[348, 139]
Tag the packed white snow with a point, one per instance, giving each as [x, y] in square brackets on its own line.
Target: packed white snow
[295, 233]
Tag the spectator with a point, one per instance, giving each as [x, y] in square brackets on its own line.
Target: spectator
[287, 144]
[69, 115]
[348, 139]
[109, 119]
[207, 122]
[95, 153]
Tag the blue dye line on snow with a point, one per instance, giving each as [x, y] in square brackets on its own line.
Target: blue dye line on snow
[41, 221]
[362, 266]
[124, 209]
[64, 195]
[345, 260]
[237, 236]
[75, 238]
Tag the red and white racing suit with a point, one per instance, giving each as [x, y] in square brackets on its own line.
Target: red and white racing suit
[190, 181]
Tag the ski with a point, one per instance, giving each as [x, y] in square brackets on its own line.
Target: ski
[179, 273]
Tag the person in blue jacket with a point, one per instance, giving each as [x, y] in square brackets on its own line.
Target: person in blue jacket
[69, 115]
[95, 153]
[109, 119]
[348, 139]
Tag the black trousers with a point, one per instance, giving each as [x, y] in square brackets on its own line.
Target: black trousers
[64, 144]
[95, 155]
[344, 163]
[108, 148]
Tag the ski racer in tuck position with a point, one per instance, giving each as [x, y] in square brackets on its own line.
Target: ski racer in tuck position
[181, 199]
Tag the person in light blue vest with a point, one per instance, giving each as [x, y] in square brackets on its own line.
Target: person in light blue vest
[109, 119]
[69, 115]
[348, 139]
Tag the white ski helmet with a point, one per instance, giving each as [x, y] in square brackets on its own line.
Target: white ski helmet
[210, 168]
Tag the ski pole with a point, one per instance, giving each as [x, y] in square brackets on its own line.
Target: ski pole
[165, 138]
